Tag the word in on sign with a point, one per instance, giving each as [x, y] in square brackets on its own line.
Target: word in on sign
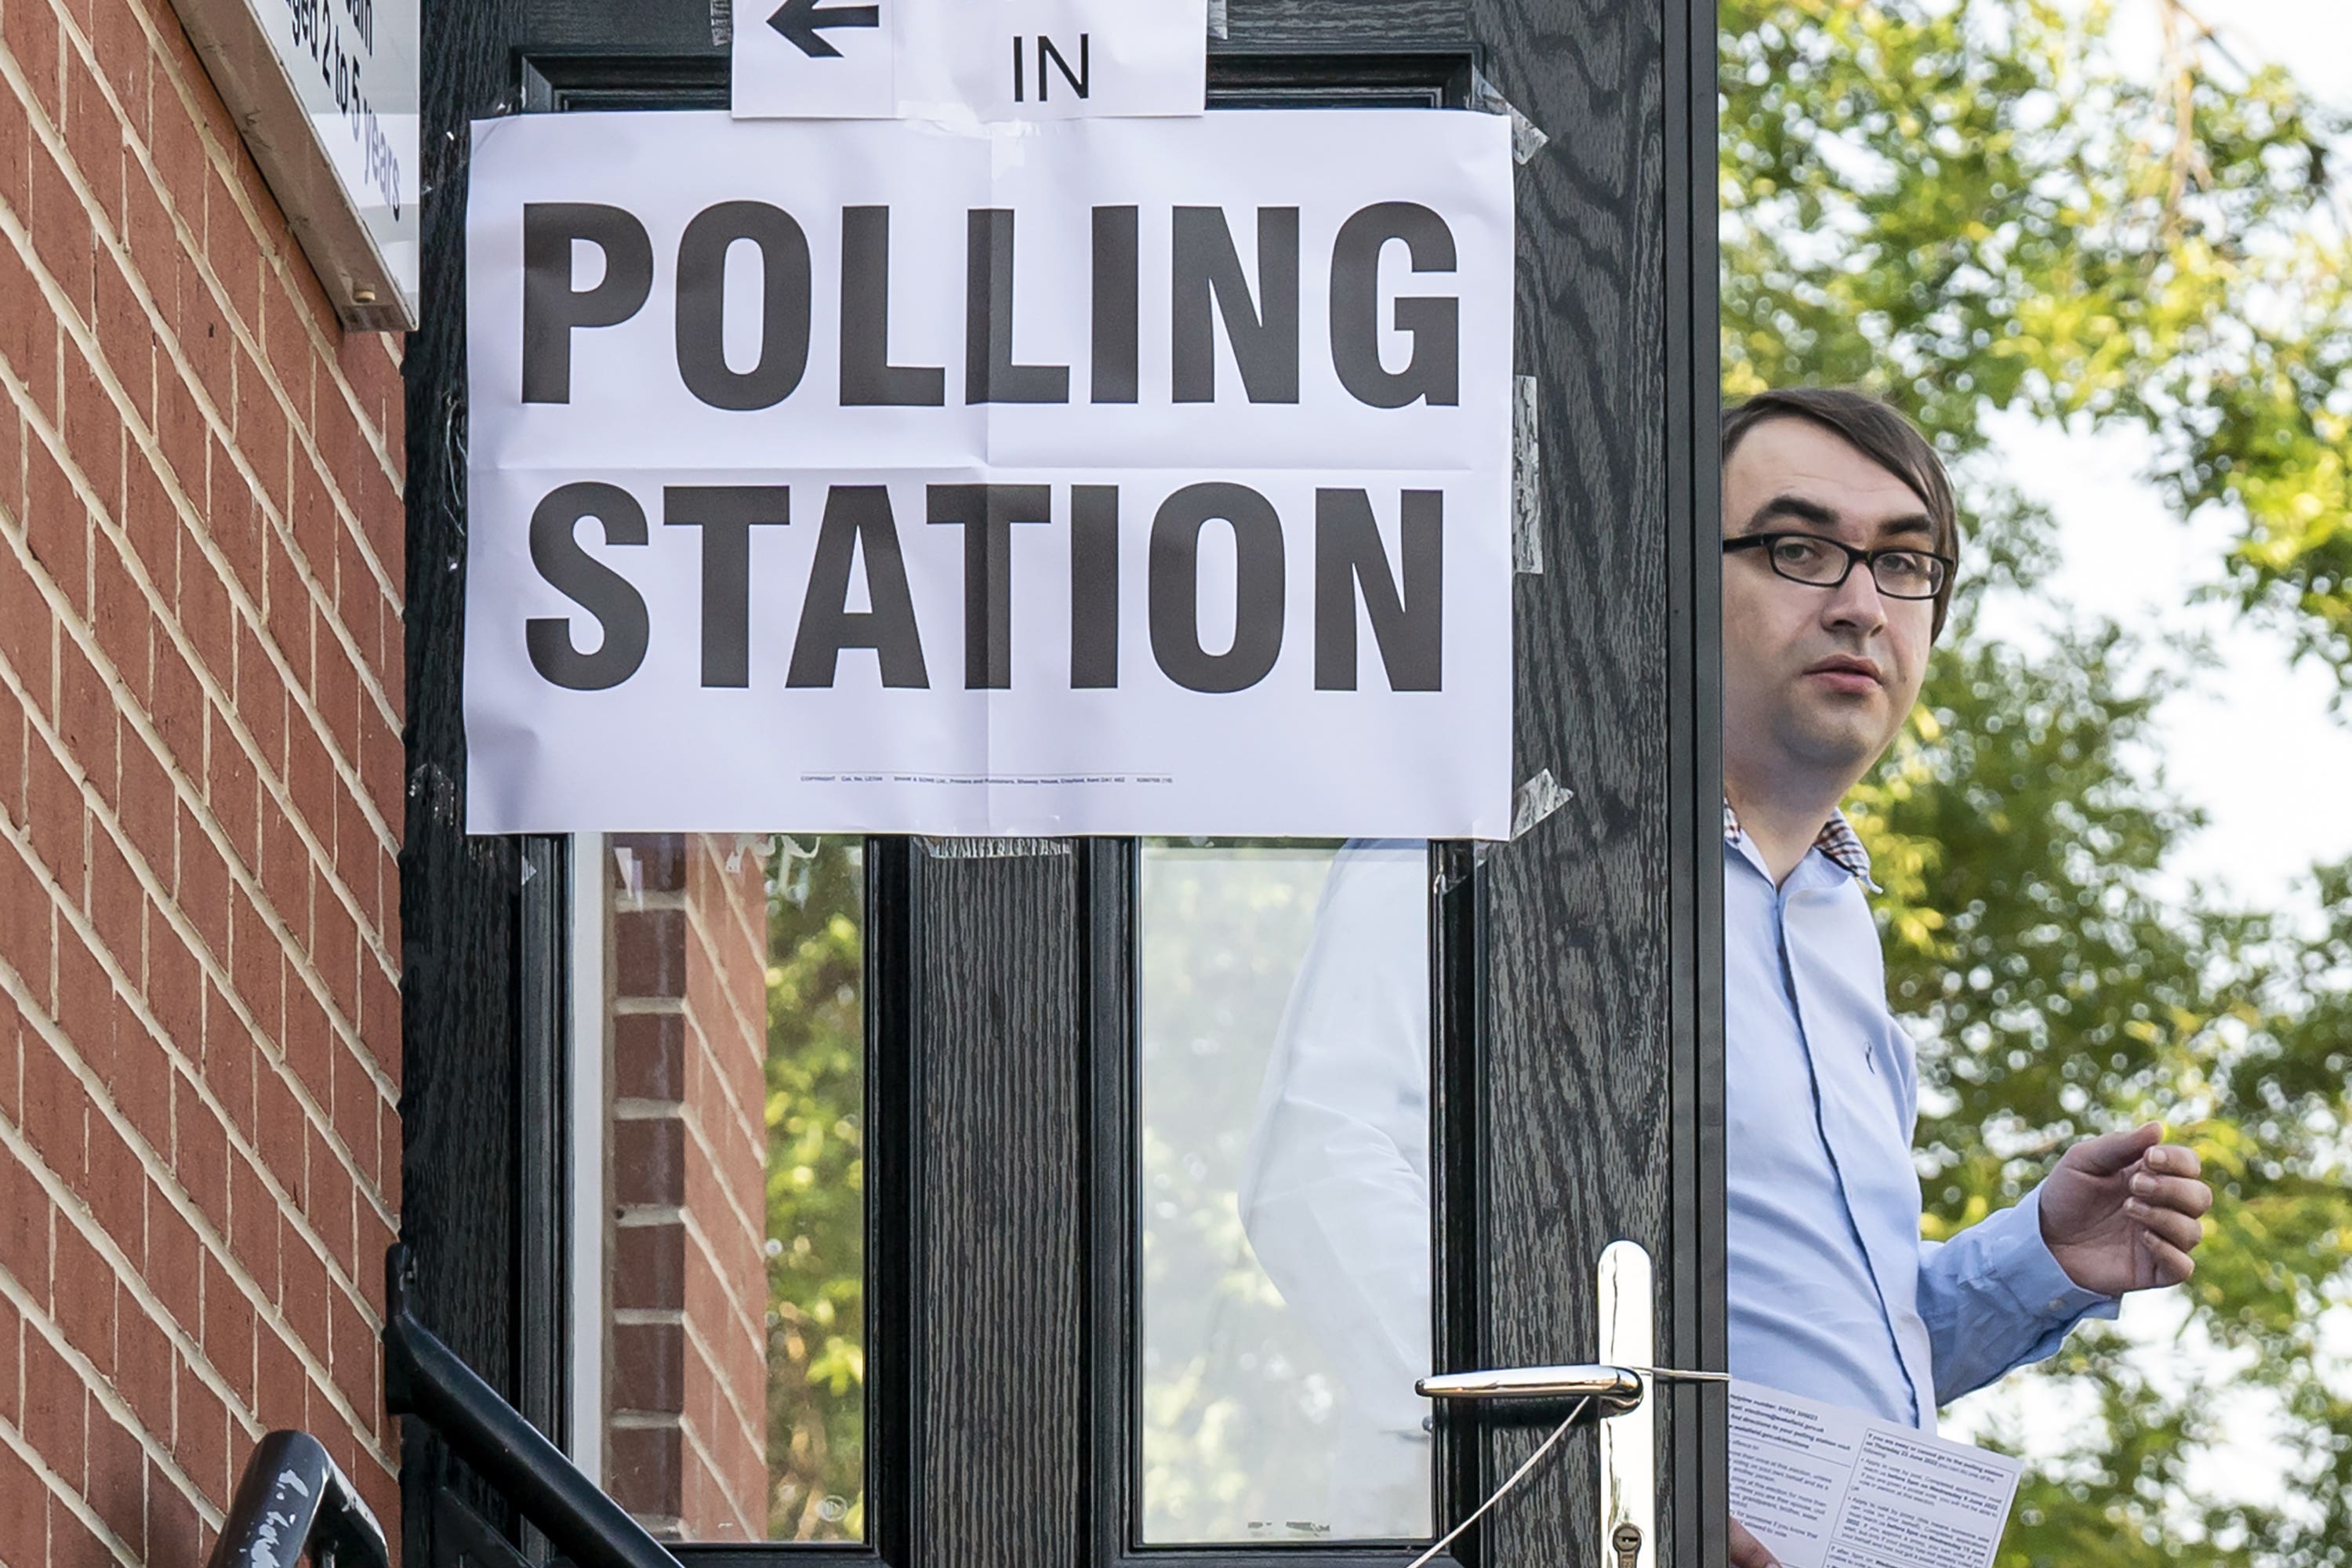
[957, 60]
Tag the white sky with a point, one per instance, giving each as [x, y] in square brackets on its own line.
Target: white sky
[2252, 739]
[2310, 35]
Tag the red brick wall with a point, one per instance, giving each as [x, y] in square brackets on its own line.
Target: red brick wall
[687, 1414]
[200, 804]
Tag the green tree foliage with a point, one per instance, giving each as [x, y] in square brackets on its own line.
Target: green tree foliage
[1977, 207]
[1982, 207]
[816, 1191]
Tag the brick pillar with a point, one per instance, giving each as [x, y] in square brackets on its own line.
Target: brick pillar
[688, 1401]
[201, 797]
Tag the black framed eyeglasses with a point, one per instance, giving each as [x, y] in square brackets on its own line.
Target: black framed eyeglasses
[1901, 572]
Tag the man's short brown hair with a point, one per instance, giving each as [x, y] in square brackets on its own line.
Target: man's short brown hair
[1879, 432]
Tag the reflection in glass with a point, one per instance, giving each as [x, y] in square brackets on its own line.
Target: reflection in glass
[1285, 1118]
[735, 1335]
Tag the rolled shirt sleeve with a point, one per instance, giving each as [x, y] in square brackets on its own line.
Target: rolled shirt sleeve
[1994, 1299]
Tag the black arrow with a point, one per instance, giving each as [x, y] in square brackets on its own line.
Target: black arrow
[803, 24]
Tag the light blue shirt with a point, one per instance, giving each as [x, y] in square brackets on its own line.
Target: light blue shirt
[1832, 1293]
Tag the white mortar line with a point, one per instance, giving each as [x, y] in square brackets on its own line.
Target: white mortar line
[676, 1316]
[278, 789]
[100, 1387]
[128, 1271]
[753, 1437]
[655, 1317]
[69, 320]
[691, 1435]
[363, 1185]
[742, 1119]
[752, 1034]
[271, 259]
[644, 1110]
[757, 1333]
[645, 1420]
[135, 717]
[74, 1502]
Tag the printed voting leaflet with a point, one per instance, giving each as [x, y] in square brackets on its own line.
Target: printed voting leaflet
[1825, 1487]
[1106, 476]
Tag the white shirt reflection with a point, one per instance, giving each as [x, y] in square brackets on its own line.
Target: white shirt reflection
[1335, 1193]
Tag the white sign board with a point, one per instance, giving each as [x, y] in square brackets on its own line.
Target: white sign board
[963, 60]
[326, 94]
[1112, 476]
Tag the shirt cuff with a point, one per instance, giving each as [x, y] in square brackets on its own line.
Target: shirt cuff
[2021, 1261]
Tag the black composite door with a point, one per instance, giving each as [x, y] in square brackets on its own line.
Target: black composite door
[1099, 1313]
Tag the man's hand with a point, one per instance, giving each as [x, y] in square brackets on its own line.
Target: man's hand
[1747, 1552]
[2120, 1212]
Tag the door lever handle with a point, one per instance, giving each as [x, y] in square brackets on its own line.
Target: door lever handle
[1614, 1385]
[1618, 1388]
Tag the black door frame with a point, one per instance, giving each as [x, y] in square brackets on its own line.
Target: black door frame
[1603, 925]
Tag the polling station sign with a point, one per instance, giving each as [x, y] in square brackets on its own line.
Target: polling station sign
[1102, 476]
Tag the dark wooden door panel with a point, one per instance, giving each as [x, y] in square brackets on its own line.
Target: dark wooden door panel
[1000, 1235]
[1586, 1038]
[1603, 920]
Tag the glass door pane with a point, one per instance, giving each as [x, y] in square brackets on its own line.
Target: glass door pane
[734, 1316]
[1283, 1130]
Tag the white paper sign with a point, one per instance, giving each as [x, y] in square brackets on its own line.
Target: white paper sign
[960, 59]
[1106, 476]
[1825, 1487]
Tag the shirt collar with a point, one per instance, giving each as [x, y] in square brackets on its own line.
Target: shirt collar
[1837, 840]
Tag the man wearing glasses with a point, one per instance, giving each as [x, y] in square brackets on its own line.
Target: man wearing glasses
[1840, 537]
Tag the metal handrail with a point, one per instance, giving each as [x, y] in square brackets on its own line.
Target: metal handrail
[427, 1379]
[293, 1502]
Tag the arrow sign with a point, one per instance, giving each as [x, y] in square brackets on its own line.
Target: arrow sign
[804, 26]
[989, 60]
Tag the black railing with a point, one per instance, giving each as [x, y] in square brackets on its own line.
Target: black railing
[293, 1502]
[426, 1379]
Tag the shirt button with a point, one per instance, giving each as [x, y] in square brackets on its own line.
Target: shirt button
[2057, 1303]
